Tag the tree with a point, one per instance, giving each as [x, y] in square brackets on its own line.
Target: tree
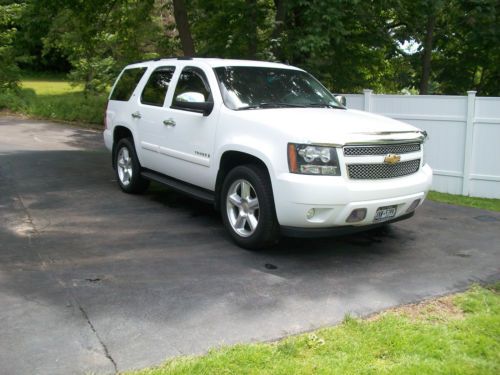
[345, 43]
[233, 28]
[100, 37]
[181, 19]
[467, 57]
[421, 22]
[9, 71]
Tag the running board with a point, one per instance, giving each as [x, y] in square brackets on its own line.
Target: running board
[182, 187]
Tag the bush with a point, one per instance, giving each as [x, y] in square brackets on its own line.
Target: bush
[72, 106]
[9, 71]
[16, 99]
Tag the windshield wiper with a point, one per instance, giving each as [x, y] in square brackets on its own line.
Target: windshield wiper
[272, 105]
[323, 105]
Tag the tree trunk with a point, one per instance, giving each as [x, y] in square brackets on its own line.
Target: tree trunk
[427, 55]
[279, 25]
[181, 20]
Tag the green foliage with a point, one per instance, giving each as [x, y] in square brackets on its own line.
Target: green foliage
[466, 43]
[392, 344]
[9, 71]
[232, 28]
[14, 99]
[100, 37]
[344, 43]
[468, 56]
[348, 44]
[72, 107]
[56, 100]
[96, 73]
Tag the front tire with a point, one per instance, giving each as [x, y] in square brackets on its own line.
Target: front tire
[247, 207]
[128, 169]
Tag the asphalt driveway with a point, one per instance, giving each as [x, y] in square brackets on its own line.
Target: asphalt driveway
[94, 280]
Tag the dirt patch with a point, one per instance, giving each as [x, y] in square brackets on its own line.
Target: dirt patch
[434, 310]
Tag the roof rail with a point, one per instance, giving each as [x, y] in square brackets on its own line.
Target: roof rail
[164, 58]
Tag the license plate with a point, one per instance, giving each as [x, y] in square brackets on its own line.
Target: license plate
[384, 213]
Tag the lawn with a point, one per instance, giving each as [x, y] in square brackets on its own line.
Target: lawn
[451, 335]
[52, 97]
[50, 86]
[483, 203]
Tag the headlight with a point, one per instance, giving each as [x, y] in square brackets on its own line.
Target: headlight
[311, 159]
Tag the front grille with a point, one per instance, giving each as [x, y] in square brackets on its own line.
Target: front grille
[381, 171]
[400, 148]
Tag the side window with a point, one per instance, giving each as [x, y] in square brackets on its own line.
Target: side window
[192, 81]
[125, 86]
[156, 88]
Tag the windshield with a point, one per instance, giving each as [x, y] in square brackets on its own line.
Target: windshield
[250, 87]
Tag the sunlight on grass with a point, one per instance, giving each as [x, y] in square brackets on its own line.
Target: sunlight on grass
[50, 87]
[484, 203]
[465, 341]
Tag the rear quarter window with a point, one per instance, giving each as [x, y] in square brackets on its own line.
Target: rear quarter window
[126, 84]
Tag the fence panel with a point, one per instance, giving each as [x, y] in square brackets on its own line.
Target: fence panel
[464, 136]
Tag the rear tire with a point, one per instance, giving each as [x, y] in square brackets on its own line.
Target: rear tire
[247, 207]
[128, 169]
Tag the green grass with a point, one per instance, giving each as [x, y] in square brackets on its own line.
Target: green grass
[56, 99]
[50, 87]
[453, 335]
[484, 203]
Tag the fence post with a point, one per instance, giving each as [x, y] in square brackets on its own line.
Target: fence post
[368, 99]
[469, 138]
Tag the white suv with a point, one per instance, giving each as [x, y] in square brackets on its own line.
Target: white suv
[267, 144]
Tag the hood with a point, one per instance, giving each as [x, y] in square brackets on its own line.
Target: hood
[331, 126]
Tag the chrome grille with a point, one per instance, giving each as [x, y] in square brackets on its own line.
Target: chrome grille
[381, 171]
[400, 148]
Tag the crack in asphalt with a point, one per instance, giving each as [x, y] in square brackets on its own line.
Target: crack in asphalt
[36, 232]
[104, 347]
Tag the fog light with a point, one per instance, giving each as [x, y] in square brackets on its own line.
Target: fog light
[414, 205]
[310, 213]
[357, 215]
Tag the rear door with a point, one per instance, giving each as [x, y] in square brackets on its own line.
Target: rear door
[149, 115]
[122, 101]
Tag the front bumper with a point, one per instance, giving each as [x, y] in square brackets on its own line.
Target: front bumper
[334, 198]
[337, 231]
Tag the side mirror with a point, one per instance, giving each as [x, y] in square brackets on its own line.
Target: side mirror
[193, 102]
[190, 97]
[341, 99]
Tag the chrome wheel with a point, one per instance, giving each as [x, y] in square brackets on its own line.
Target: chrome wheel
[124, 166]
[242, 207]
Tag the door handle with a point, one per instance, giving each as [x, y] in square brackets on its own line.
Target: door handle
[169, 122]
[136, 114]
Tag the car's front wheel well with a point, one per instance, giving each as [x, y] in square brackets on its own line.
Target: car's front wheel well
[119, 133]
[230, 160]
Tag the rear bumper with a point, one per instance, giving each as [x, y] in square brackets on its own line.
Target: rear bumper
[108, 139]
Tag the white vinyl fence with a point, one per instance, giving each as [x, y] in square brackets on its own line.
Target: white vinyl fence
[463, 147]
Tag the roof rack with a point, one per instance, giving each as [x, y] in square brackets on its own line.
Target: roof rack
[164, 58]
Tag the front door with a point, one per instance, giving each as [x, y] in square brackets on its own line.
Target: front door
[188, 136]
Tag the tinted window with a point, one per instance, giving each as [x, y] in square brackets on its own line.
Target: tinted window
[193, 80]
[156, 88]
[125, 86]
[249, 87]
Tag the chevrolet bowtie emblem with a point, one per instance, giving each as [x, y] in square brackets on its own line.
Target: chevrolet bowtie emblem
[392, 159]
